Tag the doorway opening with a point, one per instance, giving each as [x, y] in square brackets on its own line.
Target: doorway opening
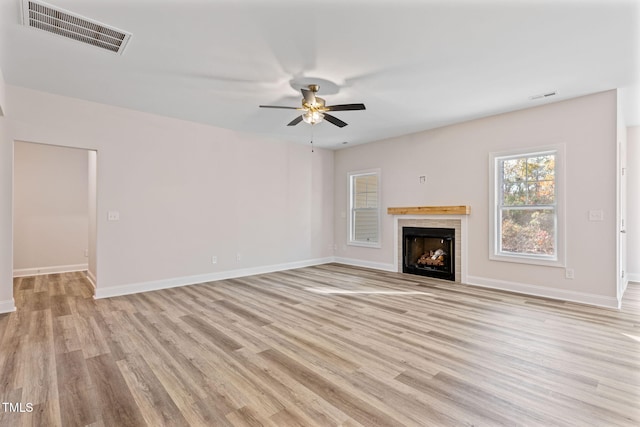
[54, 218]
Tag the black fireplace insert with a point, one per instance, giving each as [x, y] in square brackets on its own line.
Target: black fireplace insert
[429, 252]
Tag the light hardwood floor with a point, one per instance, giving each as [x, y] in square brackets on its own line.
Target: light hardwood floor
[327, 345]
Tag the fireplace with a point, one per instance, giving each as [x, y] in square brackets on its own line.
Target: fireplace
[429, 252]
[451, 217]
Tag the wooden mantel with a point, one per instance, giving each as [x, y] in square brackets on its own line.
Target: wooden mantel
[430, 210]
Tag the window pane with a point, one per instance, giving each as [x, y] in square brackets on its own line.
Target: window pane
[370, 180]
[365, 225]
[366, 200]
[360, 200]
[372, 199]
[540, 168]
[365, 191]
[514, 170]
[528, 231]
[541, 193]
[514, 193]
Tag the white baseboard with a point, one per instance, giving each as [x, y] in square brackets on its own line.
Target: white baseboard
[368, 264]
[37, 271]
[155, 285]
[542, 291]
[92, 280]
[7, 306]
[523, 288]
[634, 277]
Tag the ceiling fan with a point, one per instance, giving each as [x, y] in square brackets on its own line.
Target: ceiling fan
[315, 110]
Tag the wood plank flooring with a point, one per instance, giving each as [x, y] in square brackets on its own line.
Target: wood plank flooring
[319, 346]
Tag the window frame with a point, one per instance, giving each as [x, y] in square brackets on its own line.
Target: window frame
[350, 226]
[496, 207]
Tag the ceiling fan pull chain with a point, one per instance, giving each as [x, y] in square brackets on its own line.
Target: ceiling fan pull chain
[312, 139]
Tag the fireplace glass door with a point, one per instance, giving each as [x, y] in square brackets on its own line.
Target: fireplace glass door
[429, 252]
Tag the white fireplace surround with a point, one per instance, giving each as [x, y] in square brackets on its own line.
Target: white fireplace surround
[457, 222]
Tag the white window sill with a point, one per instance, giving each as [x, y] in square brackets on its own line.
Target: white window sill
[375, 245]
[524, 259]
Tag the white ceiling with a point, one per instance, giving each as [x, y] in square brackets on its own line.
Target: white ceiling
[415, 64]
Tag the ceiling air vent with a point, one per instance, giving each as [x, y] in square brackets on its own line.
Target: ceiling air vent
[45, 17]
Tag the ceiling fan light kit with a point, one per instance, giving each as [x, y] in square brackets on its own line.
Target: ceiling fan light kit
[315, 110]
[312, 117]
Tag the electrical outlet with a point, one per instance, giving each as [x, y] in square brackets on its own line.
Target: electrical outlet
[113, 216]
[86, 253]
[568, 273]
[238, 257]
[214, 259]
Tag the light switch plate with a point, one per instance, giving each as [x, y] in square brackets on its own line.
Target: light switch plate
[596, 215]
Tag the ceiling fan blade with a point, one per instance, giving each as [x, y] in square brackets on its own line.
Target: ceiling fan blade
[334, 120]
[278, 106]
[309, 96]
[295, 121]
[345, 107]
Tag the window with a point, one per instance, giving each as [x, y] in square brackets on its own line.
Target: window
[364, 218]
[526, 220]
